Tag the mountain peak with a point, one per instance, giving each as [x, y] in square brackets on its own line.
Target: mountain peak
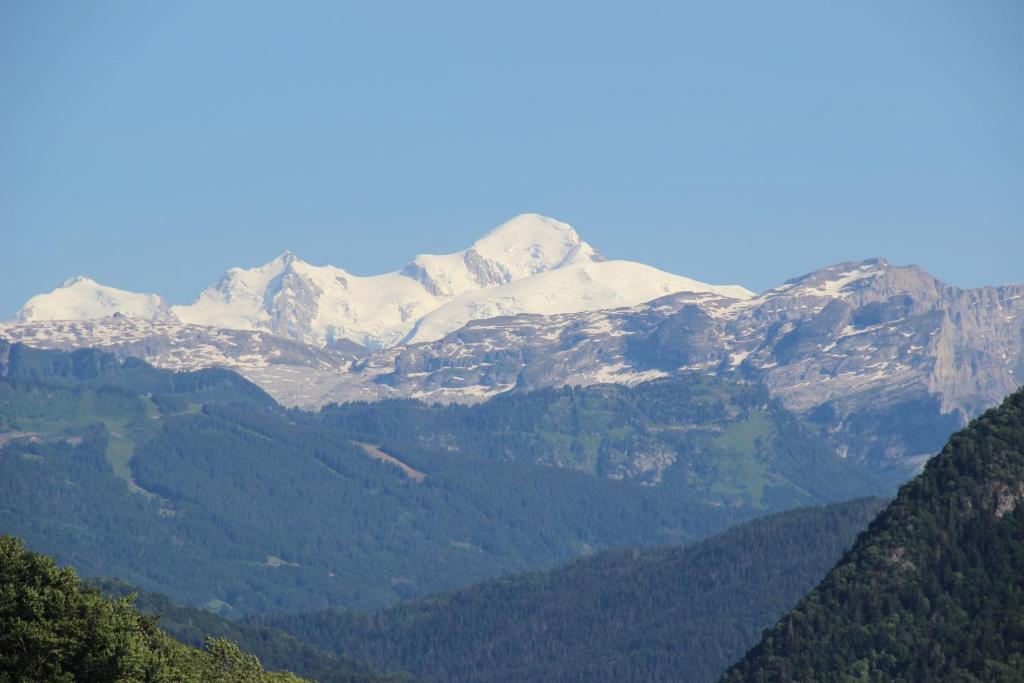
[536, 242]
[82, 298]
[524, 226]
[72, 281]
[833, 280]
[525, 245]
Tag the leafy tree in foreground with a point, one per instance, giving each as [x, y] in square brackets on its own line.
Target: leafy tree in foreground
[934, 590]
[53, 628]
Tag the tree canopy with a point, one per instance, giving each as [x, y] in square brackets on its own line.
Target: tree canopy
[54, 628]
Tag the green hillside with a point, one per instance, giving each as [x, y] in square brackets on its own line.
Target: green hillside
[934, 590]
[197, 486]
[667, 614]
[702, 437]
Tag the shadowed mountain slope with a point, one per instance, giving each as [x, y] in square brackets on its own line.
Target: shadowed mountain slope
[667, 614]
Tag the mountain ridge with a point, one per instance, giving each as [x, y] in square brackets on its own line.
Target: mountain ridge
[321, 305]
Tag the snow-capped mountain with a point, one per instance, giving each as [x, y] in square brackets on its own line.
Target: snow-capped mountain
[530, 264]
[524, 246]
[81, 298]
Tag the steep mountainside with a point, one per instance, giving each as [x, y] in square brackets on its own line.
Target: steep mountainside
[934, 590]
[199, 486]
[283, 367]
[669, 614]
[570, 289]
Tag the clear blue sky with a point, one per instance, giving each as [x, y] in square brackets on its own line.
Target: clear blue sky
[152, 145]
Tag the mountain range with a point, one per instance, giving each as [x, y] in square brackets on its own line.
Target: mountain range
[884, 360]
[513, 406]
[530, 264]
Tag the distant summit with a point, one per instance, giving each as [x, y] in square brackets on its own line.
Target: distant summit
[523, 246]
[81, 298]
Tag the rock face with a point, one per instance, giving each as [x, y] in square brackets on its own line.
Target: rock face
[290, 371]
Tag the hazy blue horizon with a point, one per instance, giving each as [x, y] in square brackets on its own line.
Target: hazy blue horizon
[152, 146]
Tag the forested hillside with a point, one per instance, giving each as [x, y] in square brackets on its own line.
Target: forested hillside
[54, 629]
[700, 436]
[667, 614]
[934, 590]
[198, 486]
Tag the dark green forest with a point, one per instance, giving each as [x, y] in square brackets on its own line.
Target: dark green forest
[276, 650]
[665, 614]
[934, 589]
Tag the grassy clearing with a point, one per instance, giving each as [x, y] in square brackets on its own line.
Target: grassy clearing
[120, 448]
[741, 472]
[742, 436]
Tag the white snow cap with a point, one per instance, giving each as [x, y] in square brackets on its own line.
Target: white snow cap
[81, 298]
[529, 264]
[531, 243]
[573, 288]
[523, 246]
